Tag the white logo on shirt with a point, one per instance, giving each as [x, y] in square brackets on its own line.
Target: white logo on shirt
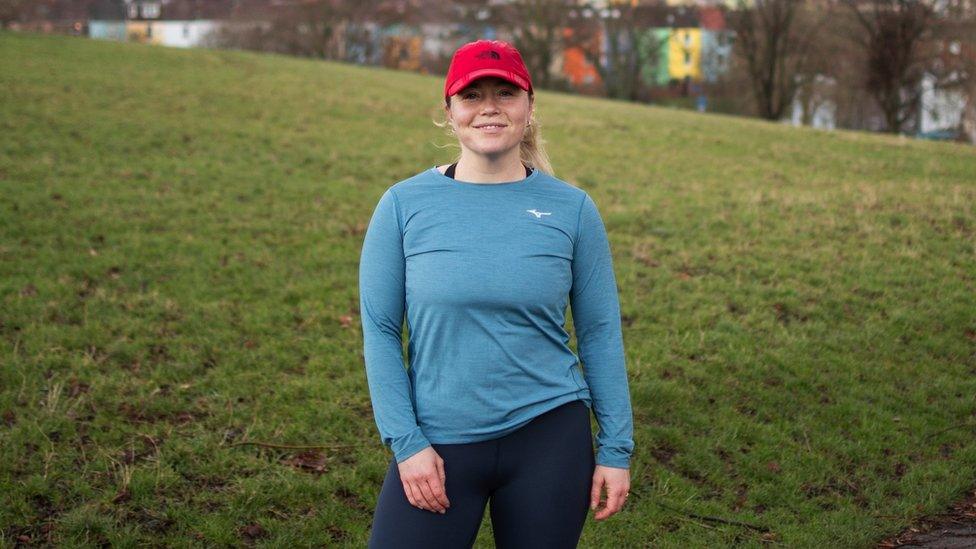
[537, 213]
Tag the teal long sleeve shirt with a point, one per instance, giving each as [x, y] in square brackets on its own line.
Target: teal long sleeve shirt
[482, 273]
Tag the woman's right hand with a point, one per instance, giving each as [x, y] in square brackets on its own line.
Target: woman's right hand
[423, 480]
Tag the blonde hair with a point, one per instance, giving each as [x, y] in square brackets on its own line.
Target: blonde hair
[531, 150]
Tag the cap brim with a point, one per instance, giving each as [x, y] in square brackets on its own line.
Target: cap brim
[481, 73]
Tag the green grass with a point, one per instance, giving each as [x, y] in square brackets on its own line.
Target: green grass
[179, 241]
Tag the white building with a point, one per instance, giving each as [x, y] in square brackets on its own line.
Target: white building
[939, 110]
[817, 104]
[164, 22]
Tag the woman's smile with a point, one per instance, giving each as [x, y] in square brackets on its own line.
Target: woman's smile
[491, 128]
[490, 117]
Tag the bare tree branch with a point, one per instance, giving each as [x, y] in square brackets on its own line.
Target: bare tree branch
[895, 38]
[773, 41]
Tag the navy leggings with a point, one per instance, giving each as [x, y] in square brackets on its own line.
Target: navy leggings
[537, 478]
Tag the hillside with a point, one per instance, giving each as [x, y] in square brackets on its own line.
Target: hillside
[179, 242]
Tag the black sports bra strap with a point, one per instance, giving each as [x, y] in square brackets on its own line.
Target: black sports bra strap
[449, 172]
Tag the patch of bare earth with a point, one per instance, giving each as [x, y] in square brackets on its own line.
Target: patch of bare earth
[953, 529]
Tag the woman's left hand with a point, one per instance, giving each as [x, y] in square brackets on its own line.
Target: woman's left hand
[617, 482]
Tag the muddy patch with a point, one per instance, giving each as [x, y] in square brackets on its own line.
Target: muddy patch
[954, 528]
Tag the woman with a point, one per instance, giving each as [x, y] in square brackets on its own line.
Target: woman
[482, 257]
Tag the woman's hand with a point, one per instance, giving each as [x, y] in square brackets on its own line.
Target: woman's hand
[423, 478]
[617, 481]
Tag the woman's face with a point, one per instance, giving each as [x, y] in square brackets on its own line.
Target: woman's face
[490, 115]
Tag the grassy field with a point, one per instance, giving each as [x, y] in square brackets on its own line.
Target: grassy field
[179, 242]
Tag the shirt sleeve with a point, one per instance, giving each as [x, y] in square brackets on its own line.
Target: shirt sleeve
[596, 320]
[381, 305]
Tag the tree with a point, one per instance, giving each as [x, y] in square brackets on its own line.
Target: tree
[328, 29]
[12, 10]
[891, 35]
[774, 40]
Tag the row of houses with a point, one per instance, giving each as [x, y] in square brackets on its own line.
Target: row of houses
[683, 44]
[182, 24]
[686, 43]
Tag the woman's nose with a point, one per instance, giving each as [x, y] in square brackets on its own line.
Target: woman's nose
[489, 105]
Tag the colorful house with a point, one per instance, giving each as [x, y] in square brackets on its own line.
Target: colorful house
[672, 46]
[716, 42]
[106, 29]
[656, 74]
[716, 53]
[684, 54]
[577, 69]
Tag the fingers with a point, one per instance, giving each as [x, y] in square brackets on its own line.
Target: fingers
[617, 486]
[615, 501]
[419, 495]
[425, 490]
[428, 487]
[443, 483]
[413, 499]
[598, 481]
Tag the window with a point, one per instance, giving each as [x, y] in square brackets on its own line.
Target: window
[687, 58]
[149, 30]
[133, 11]
[687, 38]
[150, 10]
[186, 30]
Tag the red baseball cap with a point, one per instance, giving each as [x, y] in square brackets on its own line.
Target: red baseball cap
[486, 58]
